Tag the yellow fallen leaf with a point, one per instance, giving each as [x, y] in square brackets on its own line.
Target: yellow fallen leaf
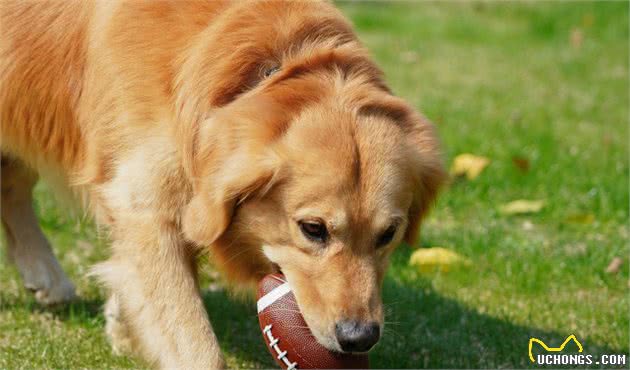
[581, 218]
[614, 265]
[428, 260]
[469, 165]
[522, 206]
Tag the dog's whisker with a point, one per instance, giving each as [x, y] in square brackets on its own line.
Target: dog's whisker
[237, 254]
[390, 330]
[390, 315]
[393, 303]
[387, 330]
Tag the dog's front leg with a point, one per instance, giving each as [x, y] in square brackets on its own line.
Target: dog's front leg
[152, 275]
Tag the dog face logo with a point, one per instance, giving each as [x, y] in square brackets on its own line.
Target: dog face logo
[553, 349]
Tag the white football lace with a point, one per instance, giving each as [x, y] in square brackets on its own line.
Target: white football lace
[273, 343]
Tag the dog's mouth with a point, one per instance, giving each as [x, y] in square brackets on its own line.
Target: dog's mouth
[330, 342]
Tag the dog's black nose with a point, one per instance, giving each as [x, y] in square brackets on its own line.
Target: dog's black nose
[357, 336]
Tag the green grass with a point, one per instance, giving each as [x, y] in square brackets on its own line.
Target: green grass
[499, 80]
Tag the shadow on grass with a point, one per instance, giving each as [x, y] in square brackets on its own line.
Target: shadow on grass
[78, 310]
[428, 331]
[431, 331]
[235, 323]
[424, 330]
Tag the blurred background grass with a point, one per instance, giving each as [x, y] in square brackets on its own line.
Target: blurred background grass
[543, 83]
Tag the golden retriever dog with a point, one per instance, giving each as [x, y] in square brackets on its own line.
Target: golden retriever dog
[259, 131]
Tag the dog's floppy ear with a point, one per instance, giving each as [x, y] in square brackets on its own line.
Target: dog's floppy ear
[209, 212]
[422, 155]
[226, 169]
[428, 170]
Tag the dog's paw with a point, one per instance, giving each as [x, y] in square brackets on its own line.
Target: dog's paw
[59, 293]
[48, 283]
[115, 328]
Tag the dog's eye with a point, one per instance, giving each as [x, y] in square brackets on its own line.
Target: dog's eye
[270, 71]
[313, 230]
[386, 237]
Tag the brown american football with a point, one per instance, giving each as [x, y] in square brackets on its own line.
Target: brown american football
[288, 338]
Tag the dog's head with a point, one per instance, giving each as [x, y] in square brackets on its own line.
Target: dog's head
[314, 168]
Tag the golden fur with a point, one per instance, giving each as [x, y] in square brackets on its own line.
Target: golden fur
[169, 119]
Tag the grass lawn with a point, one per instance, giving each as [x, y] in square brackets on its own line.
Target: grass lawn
[546, 82]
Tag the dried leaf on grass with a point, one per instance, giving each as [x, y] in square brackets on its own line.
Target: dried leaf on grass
[469, 165]
[522, 206]
[437, 259]
[521, 163]
[580, 218]
[614, 265]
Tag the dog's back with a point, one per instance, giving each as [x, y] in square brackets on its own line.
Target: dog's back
[53, 66]
[42, 59]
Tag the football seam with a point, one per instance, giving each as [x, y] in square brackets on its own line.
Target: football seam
[265, 302]
[269, 335]
[297, 353]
